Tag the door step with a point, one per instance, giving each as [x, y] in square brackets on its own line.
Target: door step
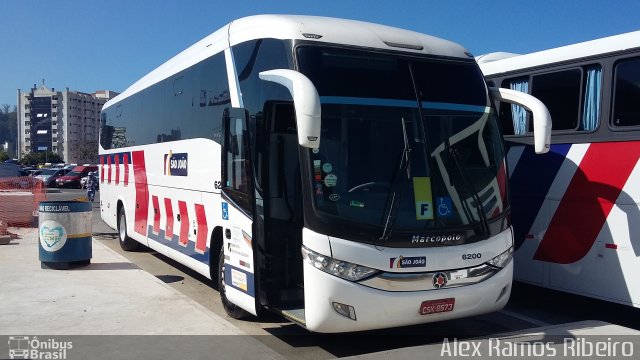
[296, 315]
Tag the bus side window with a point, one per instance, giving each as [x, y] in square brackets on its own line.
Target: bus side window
[560, 92]
[514, 119]
[572, 97]
[237, 173]
[626, 111]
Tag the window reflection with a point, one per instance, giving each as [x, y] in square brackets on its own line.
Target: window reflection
[187, 105]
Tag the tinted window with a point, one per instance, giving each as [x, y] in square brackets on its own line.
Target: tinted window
[237, 171]
[560, 92]
[404, 131]
[457, 83]
[187, 105]
[154, 116]
[209, 99]
[626, 108]
[344, 73]
[251, 58]
[573, 98]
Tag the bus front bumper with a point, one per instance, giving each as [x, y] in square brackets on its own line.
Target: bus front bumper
[378, 309]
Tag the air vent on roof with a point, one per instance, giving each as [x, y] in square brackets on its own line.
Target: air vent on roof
[404, 46]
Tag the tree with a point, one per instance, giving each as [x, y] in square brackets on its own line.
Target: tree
[4, 156]
[88, 152]
[35, 158]
[8, 132]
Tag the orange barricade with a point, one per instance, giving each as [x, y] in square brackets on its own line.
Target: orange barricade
[19, 199]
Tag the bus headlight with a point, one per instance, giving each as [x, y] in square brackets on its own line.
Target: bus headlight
[502, 260]
[339, 268]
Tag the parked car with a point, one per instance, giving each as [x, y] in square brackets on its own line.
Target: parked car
[49, 176]
[9, 170]
[72, 179]
[34, 172]
[83, 181]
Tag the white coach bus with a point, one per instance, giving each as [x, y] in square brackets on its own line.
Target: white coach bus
[346, 175]
[576, 210]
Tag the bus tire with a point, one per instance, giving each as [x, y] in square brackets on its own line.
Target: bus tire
[233, 310]
[126, 243]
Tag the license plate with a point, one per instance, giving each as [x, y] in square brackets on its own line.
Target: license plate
[437, 306]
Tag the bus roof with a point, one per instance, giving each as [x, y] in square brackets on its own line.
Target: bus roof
[311, 28]
[492, 65]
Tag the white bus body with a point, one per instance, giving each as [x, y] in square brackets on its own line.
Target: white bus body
[575, 210]
[378, 200]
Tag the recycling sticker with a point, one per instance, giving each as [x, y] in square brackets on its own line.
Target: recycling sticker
[53, 235]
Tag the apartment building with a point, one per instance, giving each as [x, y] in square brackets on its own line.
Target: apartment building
[64, 122]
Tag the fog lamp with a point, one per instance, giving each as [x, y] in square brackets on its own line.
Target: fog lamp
[345, 310]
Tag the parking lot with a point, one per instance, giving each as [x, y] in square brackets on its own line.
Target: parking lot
[530, 307]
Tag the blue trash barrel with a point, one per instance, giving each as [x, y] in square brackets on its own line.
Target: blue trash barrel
[65, 234]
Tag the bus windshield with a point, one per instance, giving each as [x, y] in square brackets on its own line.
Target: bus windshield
[407, 144]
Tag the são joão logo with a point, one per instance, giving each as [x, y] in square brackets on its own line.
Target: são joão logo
[176, 164]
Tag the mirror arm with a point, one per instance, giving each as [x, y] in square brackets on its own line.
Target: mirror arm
[541, 116]
[306, 102]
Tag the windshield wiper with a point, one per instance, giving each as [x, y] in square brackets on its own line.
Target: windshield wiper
[484, 225]
[405, 162]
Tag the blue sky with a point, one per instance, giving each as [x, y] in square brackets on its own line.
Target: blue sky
[92, 45]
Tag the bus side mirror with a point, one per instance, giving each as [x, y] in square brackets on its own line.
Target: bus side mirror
[306, 102]
[541, 116]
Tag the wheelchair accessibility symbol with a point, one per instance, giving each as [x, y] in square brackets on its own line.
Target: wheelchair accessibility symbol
[445, 207]
[225, 211]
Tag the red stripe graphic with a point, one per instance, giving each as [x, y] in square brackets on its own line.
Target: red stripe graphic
[109, 169]
[142, 201]
[184, 223]
[168, 233]
[585, 206]
[117, 160]
[201, 219]
[125, 160]
[102, 169]
[156, 214]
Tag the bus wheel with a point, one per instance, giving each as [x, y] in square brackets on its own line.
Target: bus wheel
[233, 310]
[126, 243]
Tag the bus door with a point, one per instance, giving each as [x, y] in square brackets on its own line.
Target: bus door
[237, 213]
[287, 129]
[281, 270]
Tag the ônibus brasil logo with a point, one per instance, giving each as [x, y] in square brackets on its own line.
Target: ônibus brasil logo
[25, 347]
